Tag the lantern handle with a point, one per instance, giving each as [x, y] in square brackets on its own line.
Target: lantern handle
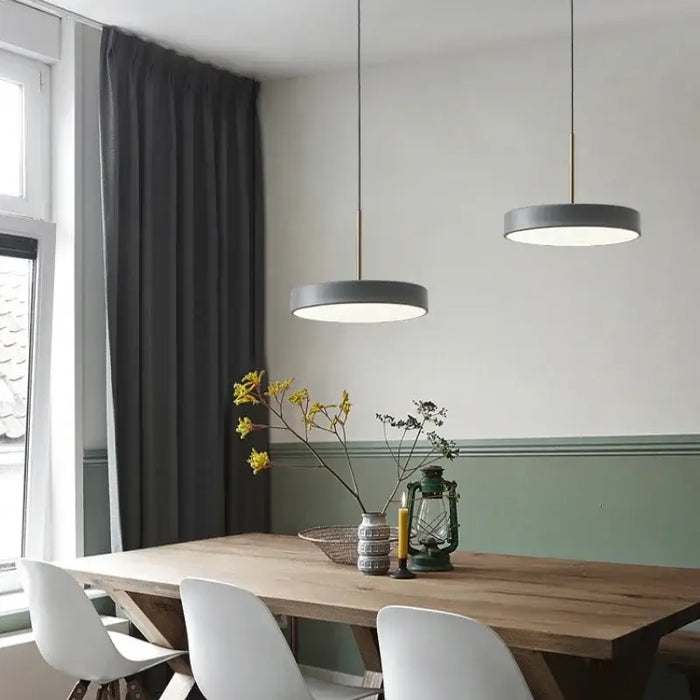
[454, 524]
[411, 496]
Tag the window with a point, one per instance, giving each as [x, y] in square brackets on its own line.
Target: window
[24, 114]
[26, 290]
[16, 299]
[26, 283]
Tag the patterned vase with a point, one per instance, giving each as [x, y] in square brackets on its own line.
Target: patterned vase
[373, 544]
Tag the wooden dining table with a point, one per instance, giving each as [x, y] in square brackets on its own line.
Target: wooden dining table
[579, 630]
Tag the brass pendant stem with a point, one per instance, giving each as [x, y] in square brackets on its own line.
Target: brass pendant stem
[572, 167]
[359, 244]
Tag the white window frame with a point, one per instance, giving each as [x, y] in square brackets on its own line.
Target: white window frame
[37, 513]
[33, 76]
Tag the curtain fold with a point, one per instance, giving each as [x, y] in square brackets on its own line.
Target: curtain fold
[183, 225]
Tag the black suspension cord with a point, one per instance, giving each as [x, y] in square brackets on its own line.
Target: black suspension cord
[571, 5]
[359, 141]
[359, 108]
[572, 145]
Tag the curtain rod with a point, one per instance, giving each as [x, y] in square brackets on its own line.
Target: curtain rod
[58, 11]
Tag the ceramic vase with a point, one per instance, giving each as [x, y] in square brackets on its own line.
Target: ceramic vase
[373, 544]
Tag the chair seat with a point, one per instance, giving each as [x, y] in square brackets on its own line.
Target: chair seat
[140, 653]
[325, 690]
[133, 657]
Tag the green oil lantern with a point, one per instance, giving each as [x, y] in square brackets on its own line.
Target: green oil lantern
[432, 521]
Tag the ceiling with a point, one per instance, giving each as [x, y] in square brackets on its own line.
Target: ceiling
[276, 38]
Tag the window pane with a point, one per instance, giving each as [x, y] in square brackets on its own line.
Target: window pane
[15, 334]
[11, 139]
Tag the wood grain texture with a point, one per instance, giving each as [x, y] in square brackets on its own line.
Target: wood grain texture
[586, 609]
[681, 648]
[135, 689]
[562, 677]
[681, 651]
[79, 690]
[368, 646]
[694, 686]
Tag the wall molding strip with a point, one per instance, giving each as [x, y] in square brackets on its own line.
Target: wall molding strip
[526, 447]
[619, 446]
[95, 458]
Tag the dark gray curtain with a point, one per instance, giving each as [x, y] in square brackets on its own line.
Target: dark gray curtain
[184, 265]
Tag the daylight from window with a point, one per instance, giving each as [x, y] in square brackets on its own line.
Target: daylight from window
[15, 334]
[11, 139]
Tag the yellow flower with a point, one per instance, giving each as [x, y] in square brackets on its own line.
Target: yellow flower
[299, 397]
[258, 461]
[242, 393]
[254, 378]
[345, 403]
[245, 426]
[315, 409]
[276, 388]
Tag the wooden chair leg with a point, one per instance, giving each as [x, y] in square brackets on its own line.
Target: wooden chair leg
[294, 636]
[694, 686]
[79, 690]
[114, 691]
[135, 689]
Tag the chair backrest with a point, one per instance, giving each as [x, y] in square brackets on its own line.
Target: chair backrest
[236, 646]
[67, 628]
[468, 659]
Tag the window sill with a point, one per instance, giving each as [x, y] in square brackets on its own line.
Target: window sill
[16, 601]
[14, 609]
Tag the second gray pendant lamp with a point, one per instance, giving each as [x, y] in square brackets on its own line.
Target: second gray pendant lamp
[572, 224]
[359, 300]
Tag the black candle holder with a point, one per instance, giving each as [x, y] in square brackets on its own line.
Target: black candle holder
[403, 571]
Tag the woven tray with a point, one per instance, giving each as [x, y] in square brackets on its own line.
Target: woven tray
[339, 542]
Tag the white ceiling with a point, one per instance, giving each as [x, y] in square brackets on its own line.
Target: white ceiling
[274, 38]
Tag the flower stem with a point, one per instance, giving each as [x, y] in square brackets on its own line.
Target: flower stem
[344, 443]
[321, 462]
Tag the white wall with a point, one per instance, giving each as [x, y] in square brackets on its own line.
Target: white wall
[78, 350]
[520, 341]
[29, 31]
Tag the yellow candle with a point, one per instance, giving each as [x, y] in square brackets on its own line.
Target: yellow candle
[402, 549]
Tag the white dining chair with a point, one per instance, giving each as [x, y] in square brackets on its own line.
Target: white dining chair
[468, 659]
[72, 639]
[238, 650]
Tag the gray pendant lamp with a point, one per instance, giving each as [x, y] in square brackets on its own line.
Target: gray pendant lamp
[359, 300]
[572, 224]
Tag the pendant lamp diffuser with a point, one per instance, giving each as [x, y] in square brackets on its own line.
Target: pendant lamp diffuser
[573, 224]
[359, 300]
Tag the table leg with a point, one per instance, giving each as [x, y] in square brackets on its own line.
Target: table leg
[694, 686]
[294, 636]
[160, 621]
[368, 646]
[562, 677]
[179, 687]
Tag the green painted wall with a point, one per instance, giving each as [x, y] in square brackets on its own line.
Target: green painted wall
[624, 501]
[96, 505]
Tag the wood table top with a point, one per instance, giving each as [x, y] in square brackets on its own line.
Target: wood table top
[589, 609]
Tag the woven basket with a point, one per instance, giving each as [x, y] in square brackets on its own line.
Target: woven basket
[339, 542]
